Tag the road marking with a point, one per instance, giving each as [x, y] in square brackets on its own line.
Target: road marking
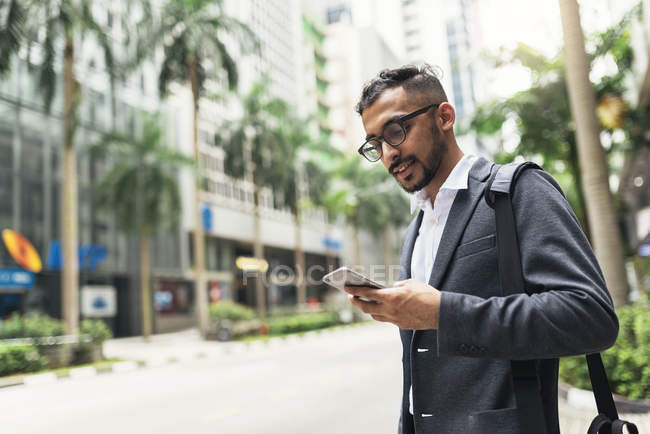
[124, 366]
[40, 379]
[88, 371]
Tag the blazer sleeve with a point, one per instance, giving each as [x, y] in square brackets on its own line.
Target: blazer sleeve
[570, 311]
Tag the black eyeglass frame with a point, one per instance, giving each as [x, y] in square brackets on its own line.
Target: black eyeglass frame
[400, 121]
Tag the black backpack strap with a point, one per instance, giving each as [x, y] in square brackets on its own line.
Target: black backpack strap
[498, 193]
[525, 380]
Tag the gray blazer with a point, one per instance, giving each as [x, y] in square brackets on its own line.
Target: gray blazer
[461, 372]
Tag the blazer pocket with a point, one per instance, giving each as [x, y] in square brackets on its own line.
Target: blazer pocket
[476, 246]
[502, 421]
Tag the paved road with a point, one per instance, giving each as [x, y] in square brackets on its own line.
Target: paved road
[341, 382]
[345, 381]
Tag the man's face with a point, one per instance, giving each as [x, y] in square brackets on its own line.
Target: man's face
[416, 161]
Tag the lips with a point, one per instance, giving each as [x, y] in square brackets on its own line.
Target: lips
[403, 170]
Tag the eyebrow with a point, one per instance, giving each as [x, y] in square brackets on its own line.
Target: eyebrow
[388, 121]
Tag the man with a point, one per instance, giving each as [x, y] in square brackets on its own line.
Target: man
[458, 332]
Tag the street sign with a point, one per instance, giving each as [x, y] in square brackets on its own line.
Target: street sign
[98, 301]
[16, 278]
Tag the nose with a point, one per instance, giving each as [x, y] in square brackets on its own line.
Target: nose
[389, 154]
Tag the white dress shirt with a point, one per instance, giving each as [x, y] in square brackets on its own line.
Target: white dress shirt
[433, 224]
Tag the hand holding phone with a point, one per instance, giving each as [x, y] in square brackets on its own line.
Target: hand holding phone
[344, 276]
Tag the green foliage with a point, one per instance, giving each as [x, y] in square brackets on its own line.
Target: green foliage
[96, 329]
[33, 326]
[11, 32]
[229, 310]
[542, 114]
[626, 362]
[301, 323]
[17, 359]
[367, 196]
[140, 189]
[191, 34]
[272, 135]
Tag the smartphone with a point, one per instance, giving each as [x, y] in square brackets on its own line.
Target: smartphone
[345, 276]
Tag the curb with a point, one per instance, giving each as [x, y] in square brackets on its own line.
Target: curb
[227, 349]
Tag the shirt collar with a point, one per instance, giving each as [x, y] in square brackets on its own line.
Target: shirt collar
[457, 180]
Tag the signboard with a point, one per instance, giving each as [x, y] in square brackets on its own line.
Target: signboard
[206, 218]
[90, 256]
[22, 251]
[98, 301]
[16, 278]
[331, 243]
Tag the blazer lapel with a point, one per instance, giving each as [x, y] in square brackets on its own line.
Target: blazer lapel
[461, 210]
[407, 248]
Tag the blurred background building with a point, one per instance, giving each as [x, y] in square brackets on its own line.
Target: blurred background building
[317, 56]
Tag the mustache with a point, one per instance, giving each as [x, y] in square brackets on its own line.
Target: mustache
[397, 164]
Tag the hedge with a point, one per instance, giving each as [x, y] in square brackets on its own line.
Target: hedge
[232, 311]
[627, 362]
[302, 323]
[33, 326]
[19, 359]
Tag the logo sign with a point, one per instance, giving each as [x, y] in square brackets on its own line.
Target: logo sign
[22, 251]
[246, 263]
[98, 301]
[206, 218]
[90, 256]
[16, 278]
[331, 244]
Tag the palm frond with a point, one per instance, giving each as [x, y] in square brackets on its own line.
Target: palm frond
[12, 33]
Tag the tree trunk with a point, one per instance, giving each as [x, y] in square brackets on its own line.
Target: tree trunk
[145, 289]
[605, 233]
[69, 217]
[388, 252]
[301, 284]
[258, 251]
[357, 246]
[199, 239]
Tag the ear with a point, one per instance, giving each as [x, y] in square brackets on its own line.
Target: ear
[447, 114]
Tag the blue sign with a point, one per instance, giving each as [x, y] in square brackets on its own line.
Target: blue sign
[206, 218]
[90, 255]
[16, 278]
[331, 244]
[644, 250]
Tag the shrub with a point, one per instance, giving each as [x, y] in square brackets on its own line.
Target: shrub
[301, 323]
[626, 362]
[232, 311]
[22, 358]
[96, 329]
[33, 326]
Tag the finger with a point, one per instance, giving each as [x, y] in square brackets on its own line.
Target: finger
[365, 292]
[368, 307]
[355, 290]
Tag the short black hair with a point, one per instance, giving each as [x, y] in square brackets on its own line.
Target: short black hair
[421, 83]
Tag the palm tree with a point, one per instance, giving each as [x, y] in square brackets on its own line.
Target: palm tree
[11, 32]
[141, 191]
[48, 22]
[191, 32]
[600, 208]
[307, 183]
[368, 199]
[260, 133]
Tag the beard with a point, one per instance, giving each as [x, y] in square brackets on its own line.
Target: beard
[430, 165]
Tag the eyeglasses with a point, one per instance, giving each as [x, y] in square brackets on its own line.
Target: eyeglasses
[394, 134]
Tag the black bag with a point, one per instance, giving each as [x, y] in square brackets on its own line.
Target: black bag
[498, 193]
